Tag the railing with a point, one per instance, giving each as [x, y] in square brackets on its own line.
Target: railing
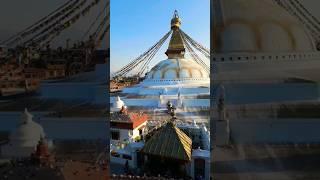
[240, 57]
[270, 110]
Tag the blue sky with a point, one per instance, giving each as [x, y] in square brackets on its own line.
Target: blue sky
[137, 25]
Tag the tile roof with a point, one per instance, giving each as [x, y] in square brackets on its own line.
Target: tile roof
[169, 142]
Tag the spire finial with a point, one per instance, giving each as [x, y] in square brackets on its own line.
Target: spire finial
[26, 117]
[176, 47]
[175, 21]
[176, 15]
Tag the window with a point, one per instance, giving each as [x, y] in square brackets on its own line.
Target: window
[115, 135]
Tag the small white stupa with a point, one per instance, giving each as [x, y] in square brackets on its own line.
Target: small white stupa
[117, 105]
[24, 139]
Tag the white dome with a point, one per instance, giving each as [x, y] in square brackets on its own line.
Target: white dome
[259, 26]
[118, 104]
[177, 69]
[28, 133]
[233, 41]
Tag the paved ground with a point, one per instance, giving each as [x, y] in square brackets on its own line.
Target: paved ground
[27, 172]
[116, 169]
[266, 162]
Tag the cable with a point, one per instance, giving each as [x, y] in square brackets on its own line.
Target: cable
[129, 67]
[143, 68]
[56, 23]
[57, 30]
[194, 56]
[164, 38]
[198, 45]
[96, 20]
[38, 25]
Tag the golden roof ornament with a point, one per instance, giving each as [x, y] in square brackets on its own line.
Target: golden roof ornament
[176, 47]
[175, 21]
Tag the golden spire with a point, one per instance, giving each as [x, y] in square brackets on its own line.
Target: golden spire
[176, 47]
[175, 21]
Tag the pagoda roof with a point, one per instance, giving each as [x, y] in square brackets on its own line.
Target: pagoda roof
[169, 142]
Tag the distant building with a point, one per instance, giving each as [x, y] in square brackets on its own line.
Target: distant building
[125, 128]
[55, 71]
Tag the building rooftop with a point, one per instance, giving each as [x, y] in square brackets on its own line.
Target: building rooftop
[127, 120]
[169, 142]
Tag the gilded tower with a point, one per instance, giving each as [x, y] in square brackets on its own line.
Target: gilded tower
[176, 47]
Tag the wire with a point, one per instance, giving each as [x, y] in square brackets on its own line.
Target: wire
[194, 56]
[38, 25]
[129, 67]
[60, 27]
[198, 46]
[96, 20]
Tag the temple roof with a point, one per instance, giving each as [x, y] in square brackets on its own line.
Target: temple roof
[169, 142]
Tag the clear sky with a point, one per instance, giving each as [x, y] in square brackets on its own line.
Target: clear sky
[139, 24]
